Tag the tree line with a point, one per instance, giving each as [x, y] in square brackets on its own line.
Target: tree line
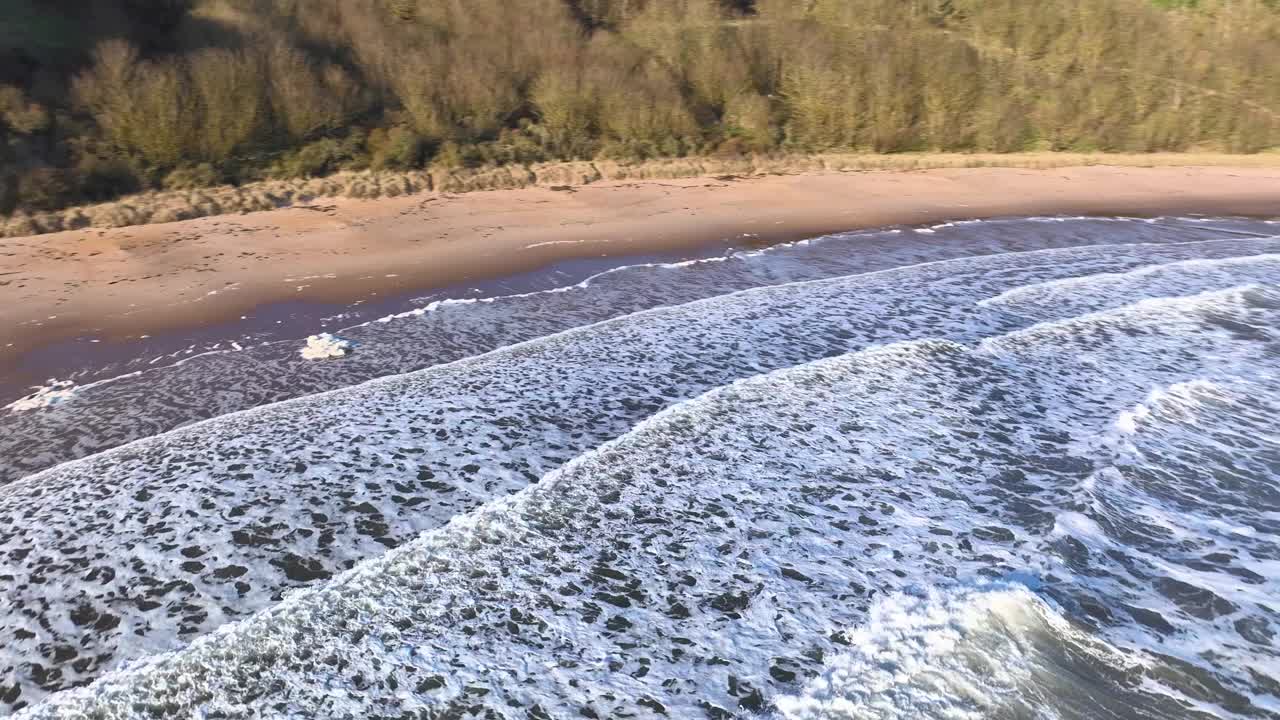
[105, 98]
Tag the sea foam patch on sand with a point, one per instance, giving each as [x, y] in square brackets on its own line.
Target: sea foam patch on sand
[325, 347]
[51, 393]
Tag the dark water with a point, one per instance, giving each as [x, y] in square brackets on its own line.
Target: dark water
[89, 359]
[1002, 469]
[172, 387]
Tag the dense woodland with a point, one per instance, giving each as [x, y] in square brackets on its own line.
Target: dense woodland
[114, 96]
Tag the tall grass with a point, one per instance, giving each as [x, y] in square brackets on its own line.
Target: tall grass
[188, 203]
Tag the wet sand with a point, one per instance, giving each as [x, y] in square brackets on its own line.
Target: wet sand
[127, 282]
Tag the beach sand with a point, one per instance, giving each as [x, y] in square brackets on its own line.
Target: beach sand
[125, 282]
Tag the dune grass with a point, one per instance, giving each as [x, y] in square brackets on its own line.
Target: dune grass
[175, 205]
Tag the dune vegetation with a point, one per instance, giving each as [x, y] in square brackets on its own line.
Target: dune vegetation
[159, 206]
[229, 105]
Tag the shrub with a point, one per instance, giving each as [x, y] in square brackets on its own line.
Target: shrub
[228, 90]
[307, 95]
[144, 107]
[568, 112]
[517, 147]
[8, 192]
[192, 177]
[19, 113]
[452, 155]
[105, 177]
[748, 121]
[43, 188]
[322, 157]
[399, 148]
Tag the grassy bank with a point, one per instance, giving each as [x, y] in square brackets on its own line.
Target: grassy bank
[170, 206]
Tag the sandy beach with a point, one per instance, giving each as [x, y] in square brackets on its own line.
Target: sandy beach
[125, 282]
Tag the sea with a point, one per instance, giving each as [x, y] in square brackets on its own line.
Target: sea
[1012, 468]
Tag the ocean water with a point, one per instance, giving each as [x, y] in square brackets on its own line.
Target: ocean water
[153, 394]
[1013, 469]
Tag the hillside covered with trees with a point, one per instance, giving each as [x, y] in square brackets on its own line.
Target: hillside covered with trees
[105, 98]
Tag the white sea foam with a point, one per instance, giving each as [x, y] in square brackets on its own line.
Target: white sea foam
[122, 411]
[1177, 314]
[325, 347]
[713, 556]
[361, 469]
[974, 652]
[54, 393]
[1067, 297]
[51, 393]
[1178, 396]
[1079, 526]
[1072, 296]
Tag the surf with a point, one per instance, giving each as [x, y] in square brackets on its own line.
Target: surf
[772, 329]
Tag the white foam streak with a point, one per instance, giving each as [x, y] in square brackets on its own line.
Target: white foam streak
[1166, 313]
[1066, 297]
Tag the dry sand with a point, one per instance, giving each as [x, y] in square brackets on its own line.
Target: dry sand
[125, 282]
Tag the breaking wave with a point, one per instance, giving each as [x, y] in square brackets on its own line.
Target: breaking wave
[949, 489]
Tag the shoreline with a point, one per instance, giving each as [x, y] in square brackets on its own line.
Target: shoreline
[118, 284]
